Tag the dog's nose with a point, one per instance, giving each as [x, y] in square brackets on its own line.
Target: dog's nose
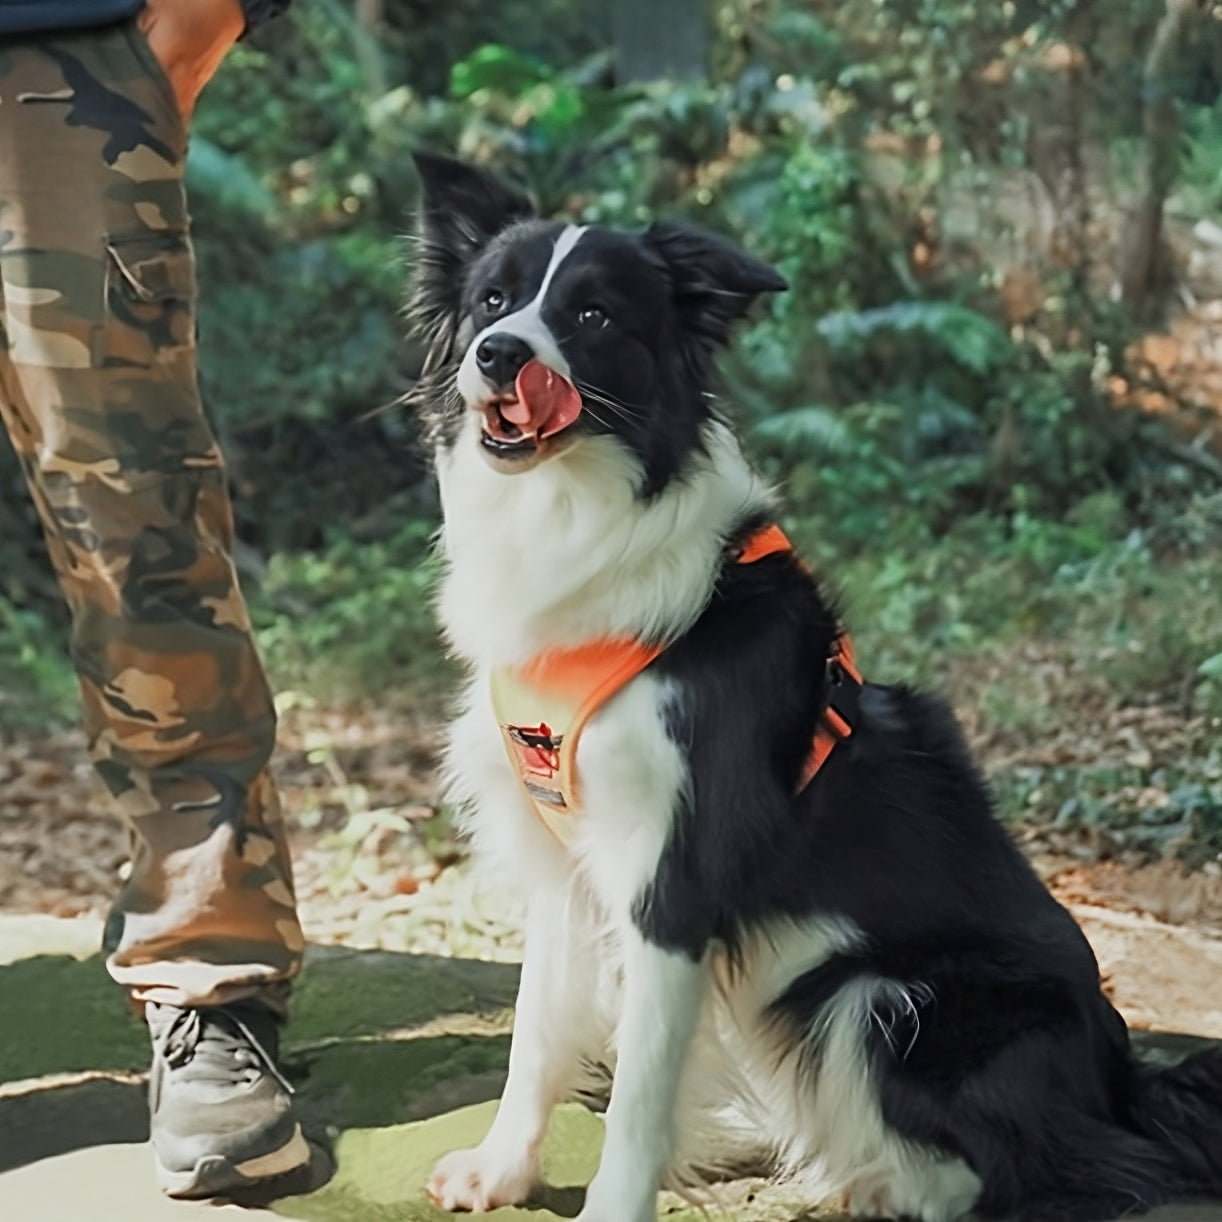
[500, 356]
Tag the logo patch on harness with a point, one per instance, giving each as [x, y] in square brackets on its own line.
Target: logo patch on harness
[537, 752]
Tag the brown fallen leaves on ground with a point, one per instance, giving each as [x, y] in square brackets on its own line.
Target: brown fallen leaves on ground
[373, 855]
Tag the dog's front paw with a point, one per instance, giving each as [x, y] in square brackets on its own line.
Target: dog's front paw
[477, 1180]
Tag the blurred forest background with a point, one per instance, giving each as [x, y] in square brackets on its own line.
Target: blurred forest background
[992, 396]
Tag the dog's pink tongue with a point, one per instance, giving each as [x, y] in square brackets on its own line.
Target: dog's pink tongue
[546, 401]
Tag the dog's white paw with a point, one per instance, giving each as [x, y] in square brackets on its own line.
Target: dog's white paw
[477, 1180]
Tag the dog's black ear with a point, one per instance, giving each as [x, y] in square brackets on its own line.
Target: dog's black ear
[462, 207]
[715, 281]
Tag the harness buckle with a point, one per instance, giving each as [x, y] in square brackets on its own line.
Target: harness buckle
[843, 697]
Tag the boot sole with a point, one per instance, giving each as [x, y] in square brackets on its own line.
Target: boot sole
[215, 1175]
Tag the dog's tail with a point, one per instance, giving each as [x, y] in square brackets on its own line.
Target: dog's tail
[1180, 1110]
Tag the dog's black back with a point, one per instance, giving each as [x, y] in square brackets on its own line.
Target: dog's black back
[1004, 1049]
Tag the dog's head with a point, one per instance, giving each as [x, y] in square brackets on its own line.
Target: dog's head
[550, 333]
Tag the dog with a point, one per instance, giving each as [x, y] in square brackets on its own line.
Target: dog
[773, 896]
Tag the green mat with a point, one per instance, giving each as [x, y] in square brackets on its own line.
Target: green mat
[382, 1172]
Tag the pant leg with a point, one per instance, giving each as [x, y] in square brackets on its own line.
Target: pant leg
[98, 391]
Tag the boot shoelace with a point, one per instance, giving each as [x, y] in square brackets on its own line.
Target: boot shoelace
[240, 1055]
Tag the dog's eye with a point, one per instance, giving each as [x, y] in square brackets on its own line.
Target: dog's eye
[494, 301]
[592, 316]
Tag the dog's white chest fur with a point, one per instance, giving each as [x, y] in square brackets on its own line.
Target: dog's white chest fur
[567, 553]
[562, 556]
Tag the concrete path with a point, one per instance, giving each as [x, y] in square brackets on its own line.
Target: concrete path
[397, 1059]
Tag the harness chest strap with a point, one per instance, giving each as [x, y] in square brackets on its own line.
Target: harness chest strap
[543, 706]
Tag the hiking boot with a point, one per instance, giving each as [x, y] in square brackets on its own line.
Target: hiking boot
[221, 1112]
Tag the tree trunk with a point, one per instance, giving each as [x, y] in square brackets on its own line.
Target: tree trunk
[1055, 152]
[370, 14]
[1141, 242]
[661, 38]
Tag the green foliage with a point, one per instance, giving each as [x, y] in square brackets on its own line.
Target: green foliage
[962, 334]
[354, 620]
[1042, 632]
[813, 229]
[554, 103]
[38, 690]
[900, 372]
[1135, 813]
[341, 295]
[1210, 672]
[1200, 191]
[1073, 580]
[928, 407]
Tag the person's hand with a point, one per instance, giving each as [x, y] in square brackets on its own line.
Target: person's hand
[189, 39]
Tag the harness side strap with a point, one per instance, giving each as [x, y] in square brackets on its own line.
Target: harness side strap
[844, 681]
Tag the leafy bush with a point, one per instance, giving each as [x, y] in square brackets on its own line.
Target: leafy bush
[354, 620]
[38, 690]
[1200, 194]
[881, 357]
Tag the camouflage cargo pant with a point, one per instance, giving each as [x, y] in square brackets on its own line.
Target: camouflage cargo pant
[98, 392]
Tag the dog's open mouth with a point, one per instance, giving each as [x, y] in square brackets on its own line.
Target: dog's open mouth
[543, 403]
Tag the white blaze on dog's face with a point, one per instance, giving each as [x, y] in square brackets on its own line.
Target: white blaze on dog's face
[552, 333]
[514, 372]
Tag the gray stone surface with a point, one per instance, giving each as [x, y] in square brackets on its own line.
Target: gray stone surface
[397, 1059]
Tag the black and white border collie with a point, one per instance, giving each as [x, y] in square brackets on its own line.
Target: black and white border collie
[859, 982]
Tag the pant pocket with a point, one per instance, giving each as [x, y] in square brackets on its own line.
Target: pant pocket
[150, 298]
[138, 41]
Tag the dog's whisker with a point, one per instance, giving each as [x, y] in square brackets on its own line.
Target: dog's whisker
[590, 405]
[625, 411]
[597, 418]
[605, 421]
[605, 396]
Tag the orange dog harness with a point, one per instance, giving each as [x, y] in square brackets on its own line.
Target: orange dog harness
[544, 705]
